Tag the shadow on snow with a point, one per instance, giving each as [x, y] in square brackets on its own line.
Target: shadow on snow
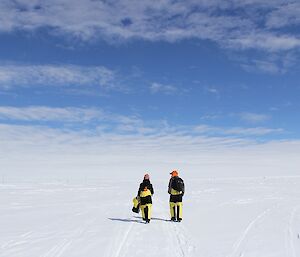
[136, 221]
[126, 220]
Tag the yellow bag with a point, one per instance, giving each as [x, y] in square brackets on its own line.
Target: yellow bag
[136, 205]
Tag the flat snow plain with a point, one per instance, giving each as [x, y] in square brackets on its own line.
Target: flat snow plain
[240, 217]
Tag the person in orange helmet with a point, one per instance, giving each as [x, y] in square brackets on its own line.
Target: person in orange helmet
[145, 193]
[176, 191]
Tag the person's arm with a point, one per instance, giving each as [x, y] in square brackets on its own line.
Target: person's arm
[139, 191]
[170, 186]
[151, 189]
[183, 190]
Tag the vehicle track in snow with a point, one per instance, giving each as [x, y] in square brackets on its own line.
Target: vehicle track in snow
[43, 233]
[236, 250]
[58, 249]
[49, 233]
[292, 236]
[21, 239]
[68, 240]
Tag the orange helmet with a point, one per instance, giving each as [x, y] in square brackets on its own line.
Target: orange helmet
[174, 173]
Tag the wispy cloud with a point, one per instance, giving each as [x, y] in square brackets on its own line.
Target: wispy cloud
[42, 113]
[55, 75]
[213, 90]
[93, 120]
[96, 119]
[242, 24]
[42, 151]
[115, 141]
[254, 117]
[263, 66]
[278, 63]
[237, 131]
[257, 131]
[162, 88]
[266, 41]
[286, 15]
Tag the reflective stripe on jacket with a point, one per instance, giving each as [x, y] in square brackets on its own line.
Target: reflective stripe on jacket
[145, 193]
[175, 192]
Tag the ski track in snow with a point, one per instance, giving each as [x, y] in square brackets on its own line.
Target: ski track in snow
[75, 227]
[21, 239]
[56, 250]
[178, 234]
[59, 249]
[174, 235]
[291, 235]
[237, 245]
[123, 241]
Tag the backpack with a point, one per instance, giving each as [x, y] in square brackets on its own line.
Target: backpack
[178, 184]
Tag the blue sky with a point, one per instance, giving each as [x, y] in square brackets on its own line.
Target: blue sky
[159, 71]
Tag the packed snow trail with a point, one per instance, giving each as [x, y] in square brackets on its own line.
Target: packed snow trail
[221, 217]
[237, 246]
[159, 238]
[293, 236]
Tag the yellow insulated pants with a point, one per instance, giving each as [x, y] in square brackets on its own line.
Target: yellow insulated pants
[176, 210]
[146, 211]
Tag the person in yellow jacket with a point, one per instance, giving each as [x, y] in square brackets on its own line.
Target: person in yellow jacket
[176, 191]
[145, 193]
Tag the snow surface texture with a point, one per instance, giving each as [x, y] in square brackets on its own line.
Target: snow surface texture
[257, 217]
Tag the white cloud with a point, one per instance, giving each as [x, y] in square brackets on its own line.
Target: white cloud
[266, 41]
[91, 120]
[257, 131]
[233, 23]
[278, 63]
[42, 113]
[161, 88]
[254, 117]
[213, 90]
[285, 15]
[237, 131]
[55, 75]
[94, 118]
[264, 66]
[116, 141]
[27, 150]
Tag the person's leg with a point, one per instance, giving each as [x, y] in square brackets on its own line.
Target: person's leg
[179, 211]
[146, 209]
[149, 211]
[143, 211]
[172, 211]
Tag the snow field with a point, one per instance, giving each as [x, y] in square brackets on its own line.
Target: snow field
[241, 217]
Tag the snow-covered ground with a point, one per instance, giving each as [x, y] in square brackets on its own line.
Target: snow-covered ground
[246, 217]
